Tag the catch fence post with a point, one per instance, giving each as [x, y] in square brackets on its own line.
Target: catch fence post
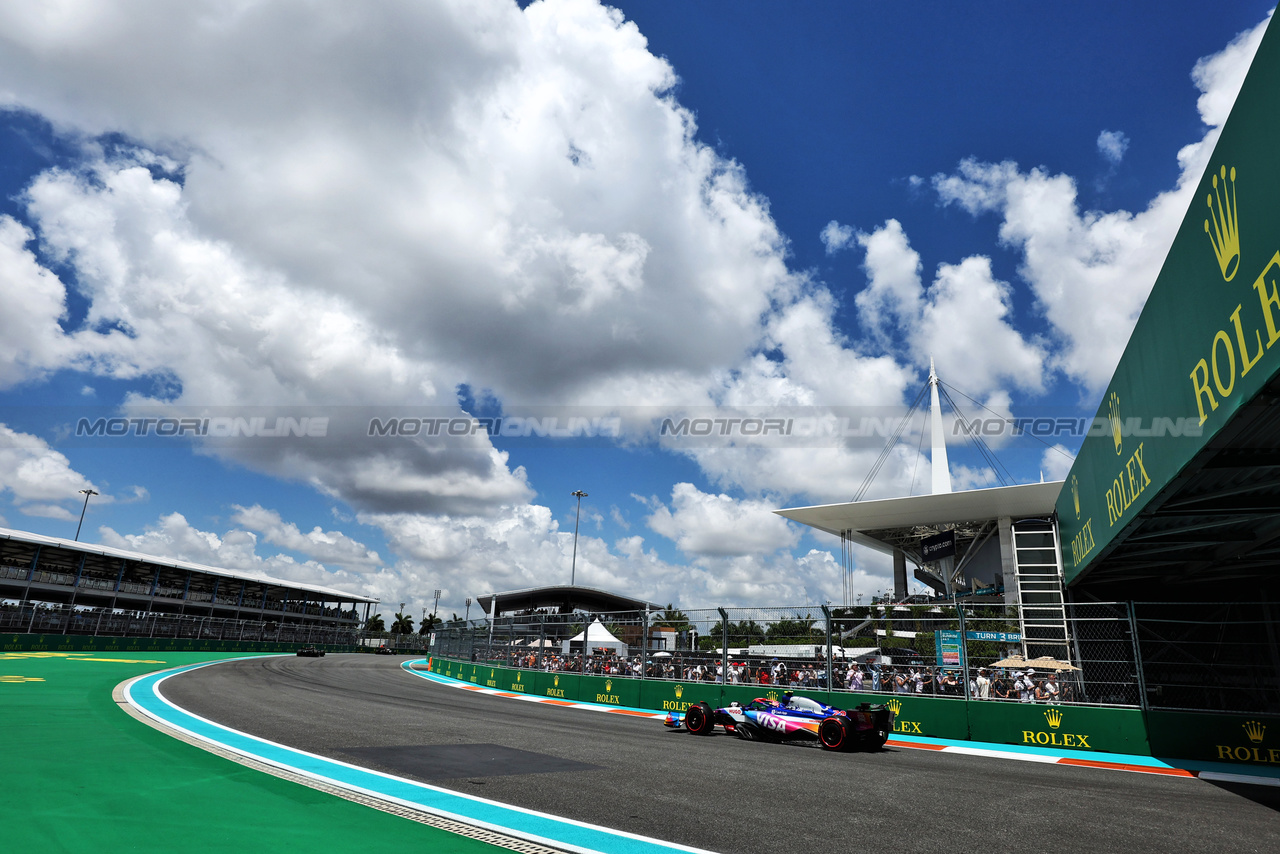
[826, 612]
[542, 640]
[1137, 656]
[724, 646]
[644, 643]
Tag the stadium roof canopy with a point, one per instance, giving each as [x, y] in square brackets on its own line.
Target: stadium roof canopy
[564, 596]
[1184, 489]
[1216, 523]
[899, 523]
[326, 593]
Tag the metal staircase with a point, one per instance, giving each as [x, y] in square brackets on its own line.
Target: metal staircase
[1039, 578]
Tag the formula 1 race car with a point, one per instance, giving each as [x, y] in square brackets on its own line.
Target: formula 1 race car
[792, 719]
[310, 652]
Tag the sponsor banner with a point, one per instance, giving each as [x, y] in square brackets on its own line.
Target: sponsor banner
[1205, 343]
[1069, 727]
[558, 686]
[679, 696]
[519, 681]
[1250, 741]
[609, 690]
[937, 547]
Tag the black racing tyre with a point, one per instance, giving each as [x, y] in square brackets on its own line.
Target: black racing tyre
[835, 733]
[699, 720]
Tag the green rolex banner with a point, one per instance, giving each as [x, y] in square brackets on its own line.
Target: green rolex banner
[1206, 341]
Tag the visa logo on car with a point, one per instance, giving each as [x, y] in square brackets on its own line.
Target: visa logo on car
[771, 722]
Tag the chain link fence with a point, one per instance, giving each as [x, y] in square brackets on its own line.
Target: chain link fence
[1214, 657]
[973, 651]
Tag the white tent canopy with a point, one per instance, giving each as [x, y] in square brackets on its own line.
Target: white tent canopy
[596, 637]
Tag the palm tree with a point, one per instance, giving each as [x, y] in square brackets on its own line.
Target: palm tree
[403, 625]
[746, 632]
[430, 622]
[793, 631]
[671, 618]
[375, 624]
[715, 638]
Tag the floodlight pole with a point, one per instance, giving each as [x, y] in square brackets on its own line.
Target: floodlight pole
[86, 493]
[573, 569]
[436, 610]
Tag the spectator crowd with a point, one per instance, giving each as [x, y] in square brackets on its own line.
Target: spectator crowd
[1026, 686]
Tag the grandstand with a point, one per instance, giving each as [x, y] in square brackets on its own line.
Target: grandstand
[49, 574]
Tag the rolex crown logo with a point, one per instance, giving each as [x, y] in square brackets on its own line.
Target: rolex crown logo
[1254, 730]
[1054, 717]
[608, 684]
[772, 695]
[1113, 416]
[1075, 494]
[517, 675]
[895, 706]
[1225, 231]
[490, 674]
[679, 691]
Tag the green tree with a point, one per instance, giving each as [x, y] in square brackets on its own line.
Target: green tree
[430, 622]
[375, 624]
[671, 618]
[403, 625]
[746, 633]
[794, 631]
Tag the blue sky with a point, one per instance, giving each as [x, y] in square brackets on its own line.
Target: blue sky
[669, 210]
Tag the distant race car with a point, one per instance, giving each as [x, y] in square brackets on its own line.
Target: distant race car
[310, 652]
[792, 719]
[384, 650]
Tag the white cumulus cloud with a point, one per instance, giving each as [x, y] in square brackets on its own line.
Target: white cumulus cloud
[835, 236]
[1112, 145]
[1091, 271]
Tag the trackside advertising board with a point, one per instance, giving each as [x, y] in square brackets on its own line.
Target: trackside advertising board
[1208, 338]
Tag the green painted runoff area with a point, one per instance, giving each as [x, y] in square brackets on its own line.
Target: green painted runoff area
[82, 775]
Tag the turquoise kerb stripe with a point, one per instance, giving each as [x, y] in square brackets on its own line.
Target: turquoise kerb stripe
[144, 693]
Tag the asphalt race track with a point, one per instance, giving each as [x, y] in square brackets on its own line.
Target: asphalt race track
[715, 793]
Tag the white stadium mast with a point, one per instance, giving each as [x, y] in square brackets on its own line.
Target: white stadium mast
[941, 472]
